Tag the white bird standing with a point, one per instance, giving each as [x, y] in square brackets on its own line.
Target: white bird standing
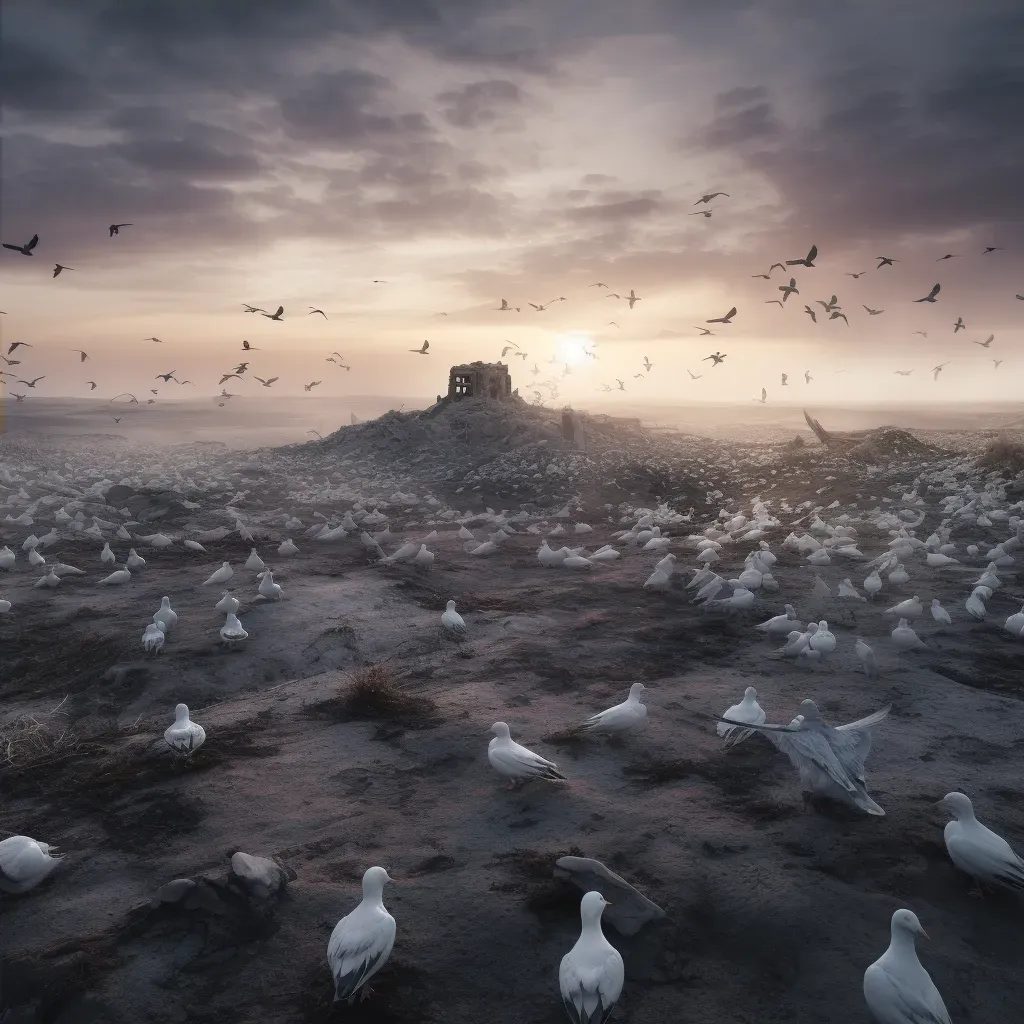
[222, 575]
[591, 974]
[977, 850]
[867, 659]
[232, 632]
[897, 989]
[254, 562]
[165, 615]
[939, 614]
[153, 638]
[424, 559]
[107, 557]
[749, 711]
[362, 940]
[268, 589]
[228, 604]
[516, 762]
[185, 736]
[24, 863]
[779, 625]
[620, 718]
[452, 620]
[904, 637]
[911, 608]
[134, 559]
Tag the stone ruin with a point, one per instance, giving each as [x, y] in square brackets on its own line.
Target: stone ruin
[479, 380]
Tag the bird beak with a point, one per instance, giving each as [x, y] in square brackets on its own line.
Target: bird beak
[608, 903]
[926, 935]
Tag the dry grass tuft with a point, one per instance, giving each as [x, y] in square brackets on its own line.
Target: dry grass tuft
[1003, 454]
[373, 693]
[28, 742]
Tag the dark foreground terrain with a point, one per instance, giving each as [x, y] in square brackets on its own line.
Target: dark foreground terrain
[773, 912]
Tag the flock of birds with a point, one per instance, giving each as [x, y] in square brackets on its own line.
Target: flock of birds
[542, 390]
[829, 760]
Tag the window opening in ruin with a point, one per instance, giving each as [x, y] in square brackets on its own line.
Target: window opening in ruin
[463, 386]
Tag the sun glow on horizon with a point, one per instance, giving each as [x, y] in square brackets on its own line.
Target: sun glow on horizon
[572, 347]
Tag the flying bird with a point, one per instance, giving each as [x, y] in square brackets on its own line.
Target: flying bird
[17, 397]
[377, 280]
[246, 347]
[948, 256]
[903, 373]
[228, 376]
[253, 309]
[313, 310]
[506, 308]
[959, 325]
[988, 341]
[807, 261]
[807, 377]
[26, 249]
[873, 312]
[810, 312]
[31, 383]
[832, 303]
[723, 319]
[58, 267]
[785, 379]
[936, 370]
[648, 365]
[508, 348]
[836, 313]
[789, 289]
[123, 393]
[612, 323]
[767, 277]
[422, 350]
[930, 297]
[781, 266]
[598, 284]
[924, 334]
[769, 302]
[991, 248]
[157, 340]
[312, 384]
[317, 432]
[115, 229]
[165, 377]
[694, 376]
[84, 355]
[266, 383]
[996, 362]
[92, 385]
[19, 344]
[716, 356]
[855, 276]
[710, 196]
[274, 316]
[764, 396]
[704, 332]
[703, 213]
[632, 299]
[885, 261]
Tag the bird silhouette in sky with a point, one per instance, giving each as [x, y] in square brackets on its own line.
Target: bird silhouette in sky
[26, 249]
[115, 229]
[991, 248]
[246, 347]
[83, 355]
[717, 358]
[785, 380]
[959, 325]
[855, 276]
[996, 362]
[723, 319]
[694, 376]
[253, 309]
[312, 384]
[32, 383]
[422, 350]
[157, 340]
[930, 297]
[58, 267]
[710, 196]
[19, 344]
[266, 383]
[873, 312]
[313, 310]
[810, 312]
[703, 213]
[506, 308]
[948, 256]
[632, 299]
[274, 316]
[936, 370]
[769, 302]
[92, 385]
[885, 261]
[836, 314]
[988, 341]
[789, 289]
[807, 261]
[165, 377]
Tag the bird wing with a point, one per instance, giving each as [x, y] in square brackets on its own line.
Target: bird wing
[531, 762]
[31, 243]
[906, 1005]
[813, 254]
[989, 861]
[357, 950]
[867, 722]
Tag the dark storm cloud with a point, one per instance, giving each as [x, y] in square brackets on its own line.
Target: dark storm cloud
[737, 127]
[331, 110]
[479, 104]
[33, 81]
[610, 207]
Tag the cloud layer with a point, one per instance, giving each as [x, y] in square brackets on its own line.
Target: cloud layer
[472, 150]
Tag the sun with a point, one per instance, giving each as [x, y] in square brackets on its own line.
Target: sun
[571, 348]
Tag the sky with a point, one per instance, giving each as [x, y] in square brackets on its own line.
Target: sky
[469, 151]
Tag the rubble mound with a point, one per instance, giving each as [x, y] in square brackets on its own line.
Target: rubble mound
[887, 444]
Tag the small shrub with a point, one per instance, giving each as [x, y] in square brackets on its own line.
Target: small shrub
[372, 693]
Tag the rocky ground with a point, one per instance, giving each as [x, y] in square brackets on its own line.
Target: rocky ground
[773, 913]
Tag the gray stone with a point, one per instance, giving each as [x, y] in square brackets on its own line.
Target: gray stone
[628, 910]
